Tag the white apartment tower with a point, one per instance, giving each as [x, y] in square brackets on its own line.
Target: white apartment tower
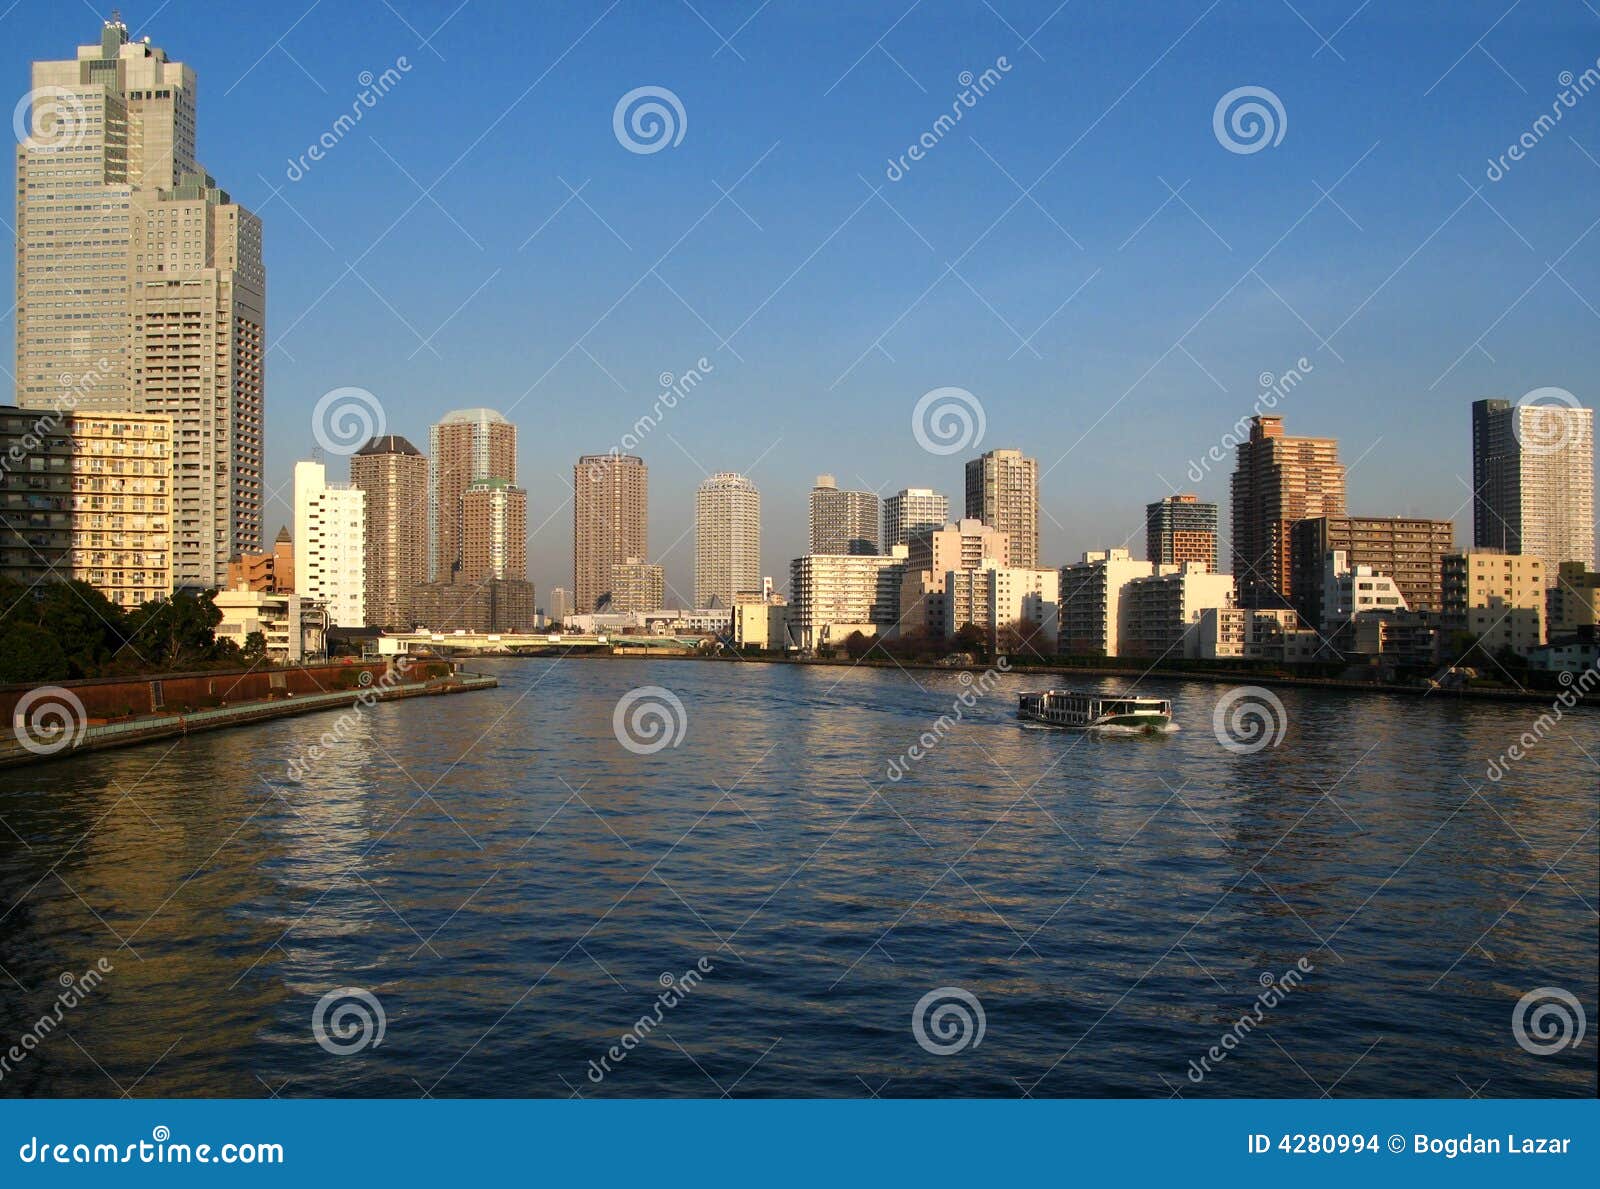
[140, 285]
[727, 531]
[329, 544]
[910, 511]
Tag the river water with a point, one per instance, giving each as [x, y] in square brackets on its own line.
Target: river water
[502, 888]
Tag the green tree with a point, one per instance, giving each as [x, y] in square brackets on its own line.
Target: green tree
[255, 648]
[29, 653]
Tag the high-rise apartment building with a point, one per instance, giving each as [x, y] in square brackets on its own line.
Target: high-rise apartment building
[636, 587]
[910, 511]
[494, 532]
[560, 605]
[610, 510]
[727, 529]
[393, 474]
[1180, 529]
[1409, 549]
[466, 445]
[1278, 480]
[1003, 492]
[87, 497]
[842, 521]
[329, 552]
[140, 284]
[1533, 481]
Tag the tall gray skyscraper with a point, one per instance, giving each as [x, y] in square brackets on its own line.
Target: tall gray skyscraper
[1533, 481]
[842, 521]
[727, 529]
[140, 285]
[1003, 492]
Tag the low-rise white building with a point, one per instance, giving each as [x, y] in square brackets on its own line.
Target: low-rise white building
[1162, 611]
[1093, 617]
[994, 597]
[1248, 633]
[293, 626]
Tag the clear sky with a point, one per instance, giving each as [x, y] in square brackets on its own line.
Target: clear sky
[1036, 256]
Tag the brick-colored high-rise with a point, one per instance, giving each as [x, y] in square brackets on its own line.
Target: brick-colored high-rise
[394, 475]
[140, 285]
[610, 507]
[466, 445]
[1278, 480]
[494, 532]
[1179, 529]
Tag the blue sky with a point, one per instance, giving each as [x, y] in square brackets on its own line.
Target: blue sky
[827, 310]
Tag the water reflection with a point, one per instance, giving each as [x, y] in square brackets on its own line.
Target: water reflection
[511, 884]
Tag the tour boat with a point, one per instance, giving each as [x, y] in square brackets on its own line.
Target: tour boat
[1095, 712]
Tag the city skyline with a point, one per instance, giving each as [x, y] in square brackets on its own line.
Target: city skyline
[1404, 360]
